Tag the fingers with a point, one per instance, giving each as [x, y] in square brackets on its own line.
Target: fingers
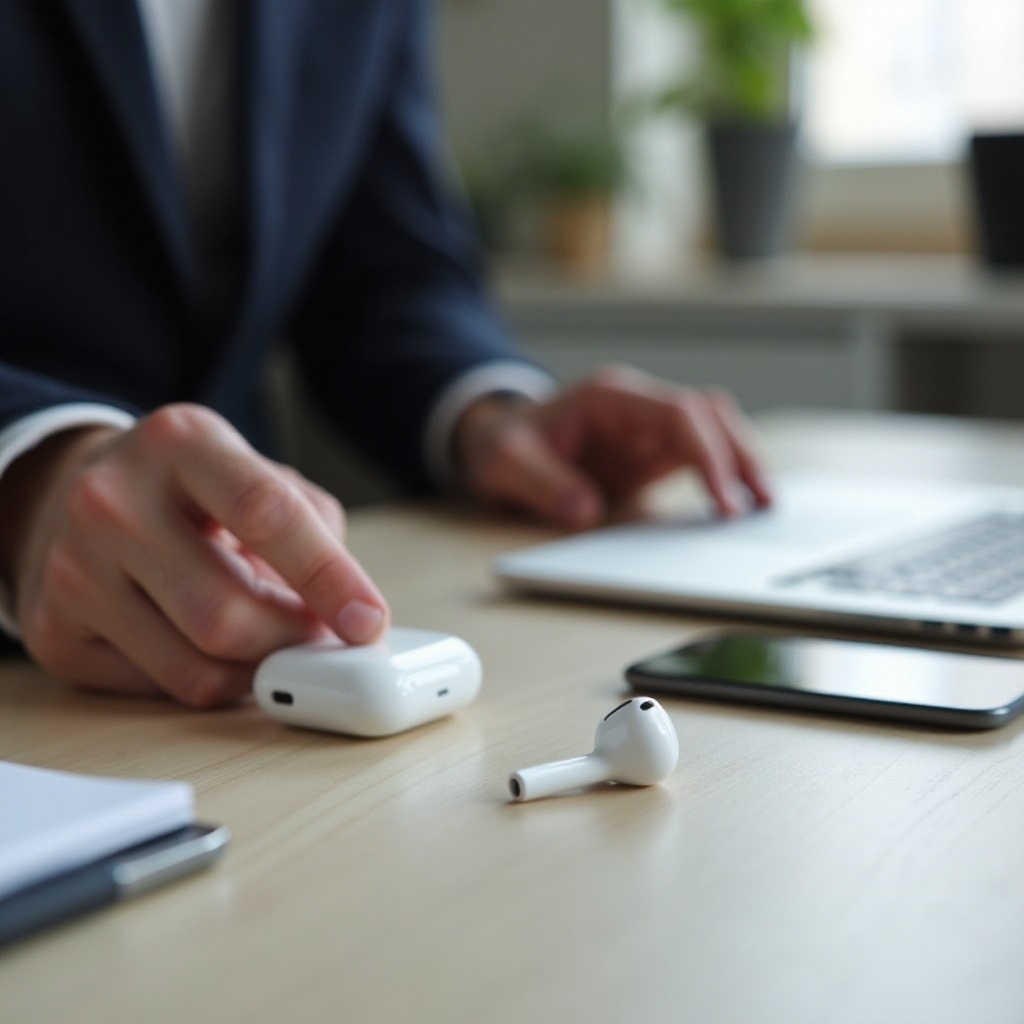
[712, 435]
[328, 507]
[701, 443]
[142, 633]
[171, 557]
[86, 661]
[526, 473]
[626, 430]
[98, 629]
[237, 614]
[734, 428]
[217, 471]
[509, 461]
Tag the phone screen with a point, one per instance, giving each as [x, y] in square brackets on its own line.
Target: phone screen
[887, 680]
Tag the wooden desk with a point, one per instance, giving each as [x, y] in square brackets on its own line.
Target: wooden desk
[794, 869]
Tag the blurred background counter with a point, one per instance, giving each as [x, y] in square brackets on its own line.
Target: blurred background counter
[909, 332]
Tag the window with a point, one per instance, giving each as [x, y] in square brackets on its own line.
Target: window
[904, 81]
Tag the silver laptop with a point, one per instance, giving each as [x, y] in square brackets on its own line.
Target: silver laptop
[939, 561]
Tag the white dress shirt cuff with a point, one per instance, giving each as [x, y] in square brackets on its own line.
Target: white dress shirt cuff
[24, 434]
[490, 378]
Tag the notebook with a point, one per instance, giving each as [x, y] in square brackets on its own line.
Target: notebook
[932, 560]
[52, 821]
[71, 844]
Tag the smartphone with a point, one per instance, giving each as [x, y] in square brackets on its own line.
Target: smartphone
[973, 691]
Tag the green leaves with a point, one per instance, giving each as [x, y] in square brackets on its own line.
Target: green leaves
[559, 156]
[575, 162]
[746, 47]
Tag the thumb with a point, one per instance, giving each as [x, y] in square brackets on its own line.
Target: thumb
[519, 467]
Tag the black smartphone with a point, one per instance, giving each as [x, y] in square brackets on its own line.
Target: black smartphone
[973, 691]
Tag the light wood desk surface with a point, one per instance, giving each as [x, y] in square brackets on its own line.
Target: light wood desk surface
[793, 869]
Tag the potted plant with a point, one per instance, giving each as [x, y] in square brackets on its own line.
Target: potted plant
[565, 171]
[743, 90]
[575, 173]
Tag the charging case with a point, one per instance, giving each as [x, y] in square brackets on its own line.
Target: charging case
[409, 677]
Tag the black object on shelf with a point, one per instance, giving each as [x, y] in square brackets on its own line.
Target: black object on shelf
[996, 166]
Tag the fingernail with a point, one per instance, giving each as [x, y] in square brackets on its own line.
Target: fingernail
[359, 622]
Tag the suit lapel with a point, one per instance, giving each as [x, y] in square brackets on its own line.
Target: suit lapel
[269, 57]
[111, 34]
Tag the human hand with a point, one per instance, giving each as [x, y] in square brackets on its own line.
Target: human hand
[602, 442]
[173, 557]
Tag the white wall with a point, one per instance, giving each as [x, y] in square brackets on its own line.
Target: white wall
[503, 60]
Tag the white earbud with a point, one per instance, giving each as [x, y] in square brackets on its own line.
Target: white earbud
[636, 744]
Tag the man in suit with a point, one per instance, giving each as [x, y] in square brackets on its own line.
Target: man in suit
[184, 182]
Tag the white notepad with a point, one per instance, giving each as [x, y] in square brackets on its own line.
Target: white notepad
[52, 822]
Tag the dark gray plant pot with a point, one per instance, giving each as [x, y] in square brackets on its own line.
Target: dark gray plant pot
[753, 167]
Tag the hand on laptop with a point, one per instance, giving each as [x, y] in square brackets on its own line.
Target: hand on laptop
[174, 557]
[603, 441]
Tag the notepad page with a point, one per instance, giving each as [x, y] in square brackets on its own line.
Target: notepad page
[53, 821]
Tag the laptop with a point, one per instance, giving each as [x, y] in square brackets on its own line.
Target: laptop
[932, 560]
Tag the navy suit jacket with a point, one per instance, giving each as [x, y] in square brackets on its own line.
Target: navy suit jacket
[355, 250]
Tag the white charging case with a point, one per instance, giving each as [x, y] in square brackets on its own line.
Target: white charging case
[409, 677]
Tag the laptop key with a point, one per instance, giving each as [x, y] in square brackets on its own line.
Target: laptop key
[980, 560]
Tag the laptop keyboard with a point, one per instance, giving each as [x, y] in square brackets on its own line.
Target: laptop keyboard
[980, 560]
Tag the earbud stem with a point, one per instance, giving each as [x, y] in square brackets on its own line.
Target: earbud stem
[557, 776]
